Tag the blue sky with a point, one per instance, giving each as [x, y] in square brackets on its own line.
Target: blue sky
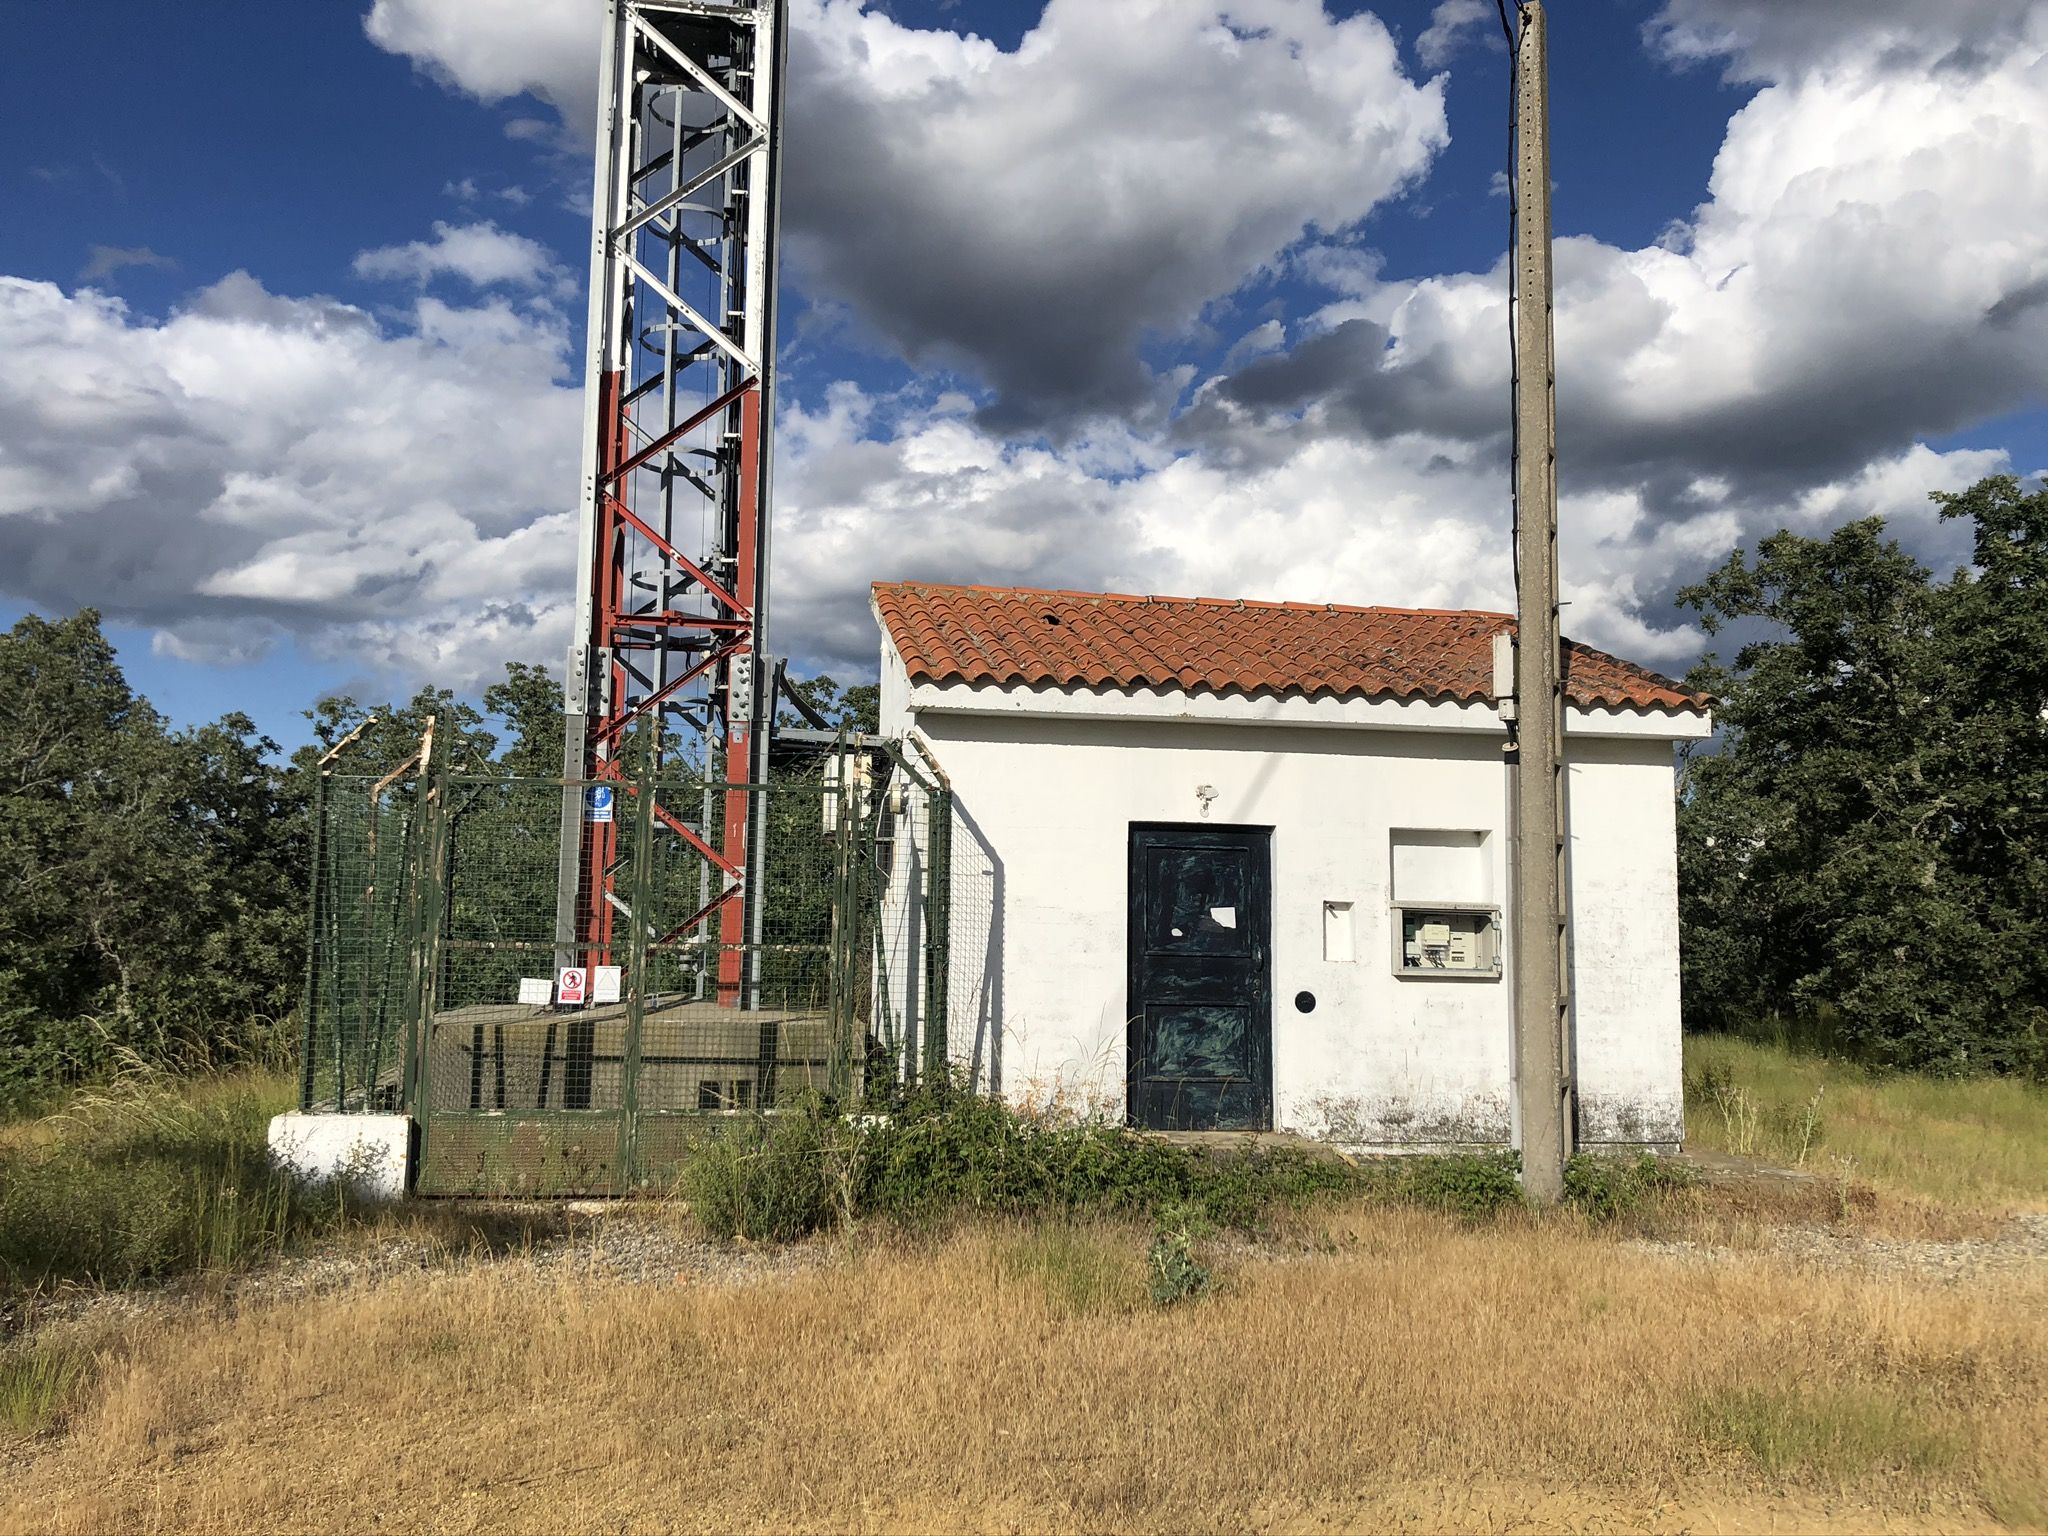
[281, 467]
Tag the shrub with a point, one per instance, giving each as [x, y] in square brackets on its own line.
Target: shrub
[1236, 1189]
[1607, 1187]
[1471, 1186]
[933, 1154]
[937, 1151]
[774, 1179]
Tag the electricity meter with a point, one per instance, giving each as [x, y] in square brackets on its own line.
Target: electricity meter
[1447, 943]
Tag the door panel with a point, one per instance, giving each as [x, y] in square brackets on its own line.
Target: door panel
[1200, 1037]
[1198, 1040]
[1195, 901]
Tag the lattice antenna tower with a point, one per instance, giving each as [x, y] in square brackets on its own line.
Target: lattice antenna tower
[672, 553]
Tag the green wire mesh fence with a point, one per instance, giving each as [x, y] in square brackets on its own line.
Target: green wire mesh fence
[544, 1046]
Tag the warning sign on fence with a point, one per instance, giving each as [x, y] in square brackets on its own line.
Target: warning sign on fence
[598, 802]
[570, 983]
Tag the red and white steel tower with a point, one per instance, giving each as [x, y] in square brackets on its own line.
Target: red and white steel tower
[672, 553]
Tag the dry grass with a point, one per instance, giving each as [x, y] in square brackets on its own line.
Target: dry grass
[1532, 1374]
[1980, 1142]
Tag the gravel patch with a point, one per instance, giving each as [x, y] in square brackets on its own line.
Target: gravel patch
[645, 1249]
[648, 1244]
[2019, 1245]
[622, 1242]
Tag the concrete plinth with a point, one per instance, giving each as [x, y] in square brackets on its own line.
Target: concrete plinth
[372, 1152]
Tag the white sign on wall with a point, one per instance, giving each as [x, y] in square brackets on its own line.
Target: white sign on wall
[536, 991]
[570, 983]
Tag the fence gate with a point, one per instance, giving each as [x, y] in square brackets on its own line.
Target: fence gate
[536, 1063]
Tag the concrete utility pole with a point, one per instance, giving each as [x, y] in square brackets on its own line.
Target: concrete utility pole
[1540, 947]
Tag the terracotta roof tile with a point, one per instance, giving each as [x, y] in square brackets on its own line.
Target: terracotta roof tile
[1010, 635]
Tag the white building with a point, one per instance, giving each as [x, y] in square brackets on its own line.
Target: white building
[1241, 865]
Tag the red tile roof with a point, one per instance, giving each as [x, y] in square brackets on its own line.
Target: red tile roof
[1009, 635]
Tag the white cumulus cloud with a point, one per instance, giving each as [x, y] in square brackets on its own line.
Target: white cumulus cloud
[257, 464]
[495, 49]
[1773, 39]
[1452, 25]
[482, 255]
[1077, 194]
[1857, 280]
[1030, 214]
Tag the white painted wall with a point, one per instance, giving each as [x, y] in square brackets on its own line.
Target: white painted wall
[1047, 796]
[1624, 877]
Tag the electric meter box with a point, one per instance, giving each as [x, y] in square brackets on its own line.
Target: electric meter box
[1447, 942]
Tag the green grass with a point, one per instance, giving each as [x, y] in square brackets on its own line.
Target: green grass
[1978, 1142]
[1840, 1432]
[1083, 1270]
[148, 1178]
[41, 1378]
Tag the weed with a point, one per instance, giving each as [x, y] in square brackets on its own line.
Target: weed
[1809, 1126]
[41, 1378]
[1176, 1275]
[1609, 1187]
[1740, 1119]
[1839, 1432]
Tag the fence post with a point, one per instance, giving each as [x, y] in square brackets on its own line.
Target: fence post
[406, 896]
[867, 980]
[839, 951]
[309, 1044]
[635, 992]
[938, 922]
[425, 904]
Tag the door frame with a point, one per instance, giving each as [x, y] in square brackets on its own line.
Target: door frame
[1239, 834]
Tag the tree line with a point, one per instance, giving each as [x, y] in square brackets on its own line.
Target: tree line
[1863, 847]
[1863, 851]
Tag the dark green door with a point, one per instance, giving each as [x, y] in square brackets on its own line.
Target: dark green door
[1200, 1009]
